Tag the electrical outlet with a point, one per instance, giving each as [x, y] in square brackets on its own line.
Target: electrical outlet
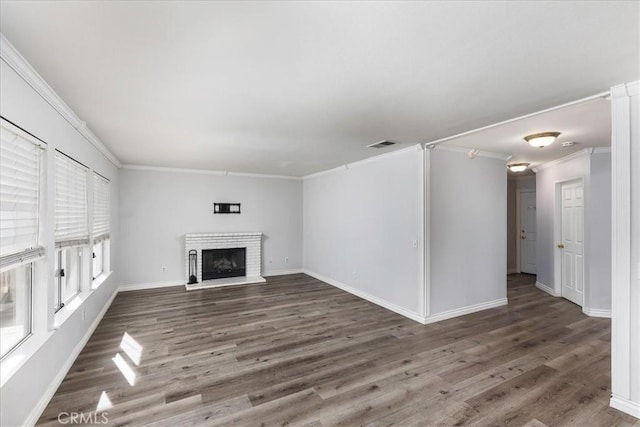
[286, 260]
[164, 269]
[84, 314]
[415, 243]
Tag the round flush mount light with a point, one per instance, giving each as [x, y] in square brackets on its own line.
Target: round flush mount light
[518, 167]
[541, 140]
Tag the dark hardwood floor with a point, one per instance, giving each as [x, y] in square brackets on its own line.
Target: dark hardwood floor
[300, 352]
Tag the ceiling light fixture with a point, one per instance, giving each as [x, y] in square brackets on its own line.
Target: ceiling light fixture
[518, 167]
[541, 140]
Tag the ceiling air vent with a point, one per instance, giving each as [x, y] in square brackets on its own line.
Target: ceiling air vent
[381, 144]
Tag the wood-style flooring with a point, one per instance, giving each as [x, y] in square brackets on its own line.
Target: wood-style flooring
[296, 351]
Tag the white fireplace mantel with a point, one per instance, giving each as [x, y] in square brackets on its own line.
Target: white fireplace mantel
[252, 241]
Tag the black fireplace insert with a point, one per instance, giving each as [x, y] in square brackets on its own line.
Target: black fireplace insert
[222, 263]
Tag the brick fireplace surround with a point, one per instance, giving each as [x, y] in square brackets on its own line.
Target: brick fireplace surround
[250, 240]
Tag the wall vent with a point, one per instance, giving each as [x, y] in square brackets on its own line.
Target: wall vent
[381, 144]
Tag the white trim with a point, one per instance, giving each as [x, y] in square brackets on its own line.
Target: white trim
[150, 285]
[456, 312]
[625, 405]
[557, 235]
[363, 161]
[621, 321]
[16, 61]
[577, 154]
[206, 172]
[366, 296]
[526, 116]
[282, 272]
[425, 226]
[633, 88]
[489, 154]
[596, 312]
[53, 386]
[547, 289]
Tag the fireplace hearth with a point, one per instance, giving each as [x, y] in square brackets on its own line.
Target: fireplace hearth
[223, 263]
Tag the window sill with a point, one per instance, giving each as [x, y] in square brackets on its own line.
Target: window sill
[100, 279]
[14, 361]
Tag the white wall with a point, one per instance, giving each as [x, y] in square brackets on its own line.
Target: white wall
[595, 169]
[514, 184]
[360, 225]
[468, 237]
[599, 235]
[22, 393]
[157, 208]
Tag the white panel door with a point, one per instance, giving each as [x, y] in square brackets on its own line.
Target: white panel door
[572, 243]
[528, 232]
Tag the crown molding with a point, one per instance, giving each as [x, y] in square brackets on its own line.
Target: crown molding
[577, 154]
[353, 165]
[526, 116]
[625, 89]
[19, 64]
[488, 154]
[633, 88]
[206, 172]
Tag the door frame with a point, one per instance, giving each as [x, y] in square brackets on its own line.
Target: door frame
[557, 237]
[519, 191]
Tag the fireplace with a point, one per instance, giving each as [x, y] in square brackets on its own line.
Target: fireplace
[236, 269]
[222, 263]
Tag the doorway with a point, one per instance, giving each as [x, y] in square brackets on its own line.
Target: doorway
[526, 226]
[570, 239]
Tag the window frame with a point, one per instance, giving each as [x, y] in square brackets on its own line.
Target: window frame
[30, 315]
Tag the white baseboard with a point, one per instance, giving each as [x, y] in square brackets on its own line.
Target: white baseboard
[150, 285]
[153, 285]
[367, 296]
[595, 312]
[547, 289]
[449, 314]
[282, 272]
[53, 387]
[625, 405]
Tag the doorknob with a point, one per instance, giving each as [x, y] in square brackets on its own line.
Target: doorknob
[561, 245]
[523, 237]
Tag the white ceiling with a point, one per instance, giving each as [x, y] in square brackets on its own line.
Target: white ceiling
[586, 124]
[292, 88]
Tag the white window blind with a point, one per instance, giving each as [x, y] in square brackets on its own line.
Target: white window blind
[100, 207]
[19, 197]
[71, 214]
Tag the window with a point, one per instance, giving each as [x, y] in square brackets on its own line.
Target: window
[98, 259]
[68, 275]
[100, 228]
[15, 306]
[20, 180]
[71, 228]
